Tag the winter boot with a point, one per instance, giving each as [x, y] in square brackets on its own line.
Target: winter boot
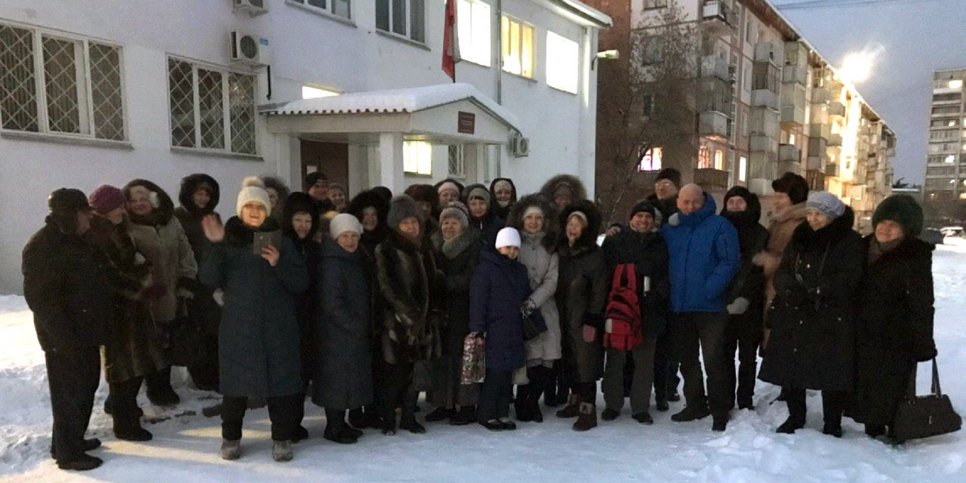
[230, 449]
[131, 432]
[282, 451]
[521, 405]
[875, 430]
[466, 415]
[691, 413]
[507, 424]
[661, 403]
[160, 392]
[89, 444]
[610, 414]
[335, 427]
[83, 462]
[409, 423]
[439, 414]
[719, 422]
[790, 426]
[300, 434]
[832, 429]
[572, 410]
[643, 417]
[492, 425]
[587, 418]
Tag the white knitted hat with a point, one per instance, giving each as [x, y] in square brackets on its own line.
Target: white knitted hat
[342, 223]
[253, 191]
[508, 237]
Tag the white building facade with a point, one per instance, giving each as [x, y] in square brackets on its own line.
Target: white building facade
[103, 91]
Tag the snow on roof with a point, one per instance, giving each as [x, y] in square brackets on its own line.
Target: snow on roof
[595, 16]
[409, 100]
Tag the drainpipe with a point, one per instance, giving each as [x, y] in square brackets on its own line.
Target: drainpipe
[498, 35]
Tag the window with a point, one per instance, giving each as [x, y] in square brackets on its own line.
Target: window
[402, 17]
[651, 160]
[647, 104]
[339, 8]
[211, 108]
[562, 63]
[473, 17]
[653, 52]
[955, 84]
[765, 75]
[418, 157]
[60, 85]
[517, 52]
[457, 161]
[742, 168]
[719, 159]
[650, 4]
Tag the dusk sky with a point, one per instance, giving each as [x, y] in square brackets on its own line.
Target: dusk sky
[914, 38]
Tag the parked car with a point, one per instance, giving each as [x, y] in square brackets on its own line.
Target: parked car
[931, 235]
[951, 231]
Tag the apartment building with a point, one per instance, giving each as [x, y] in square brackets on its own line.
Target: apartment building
[104, 91]
[945, 185]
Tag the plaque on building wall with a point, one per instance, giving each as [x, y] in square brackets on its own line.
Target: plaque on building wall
[466, 123]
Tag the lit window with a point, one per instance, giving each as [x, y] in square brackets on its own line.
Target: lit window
[791, 138]
[950, 159]
[335, 7]
[719, 159]
[402, 17]
[474, 31]
[742, 168]
[956, 84]
[704, 157]
[199, 118]
[309, 92]
[562, 58]
[517, 47]
[53, 84]
[418, 157]
[651, 160]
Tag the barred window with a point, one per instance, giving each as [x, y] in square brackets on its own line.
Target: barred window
[457, 161]
[402, 17]
[211, 108]
[55, 84]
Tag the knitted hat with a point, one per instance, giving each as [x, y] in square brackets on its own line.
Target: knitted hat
[342, 223]
[67, 201]
[314, 177]
[793, 185]
[478, 191]
[448, 185]
[457, 210]
[253, 191]
[508, 237]
[106, 198]
[826, 203]
[903, 210]
[670, 174]
[647, 207]
[400, 208]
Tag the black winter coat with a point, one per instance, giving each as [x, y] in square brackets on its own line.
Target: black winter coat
[894, 327]
[205, 311]
[649, 253]
[749, 282]
[67, 284]
[582, 288]
[258, 344]
[344, 377]
[488, 227]
[308, 303]
[812, 343]
[498, 289]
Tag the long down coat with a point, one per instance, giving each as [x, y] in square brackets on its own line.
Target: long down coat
[258, 344]
[893, 327]
[344, 379]
[749, 282]
[812, 344]
[498, 289]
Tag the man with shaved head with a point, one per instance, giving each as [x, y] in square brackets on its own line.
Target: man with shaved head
[704, 257]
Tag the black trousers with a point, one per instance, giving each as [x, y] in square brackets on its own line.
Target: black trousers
[395, 386]
[746, 345]
[665, 371]
[833, 403]
[703, 333]
[73, 376]
[124, 401]
[282, 411]
[495, 395]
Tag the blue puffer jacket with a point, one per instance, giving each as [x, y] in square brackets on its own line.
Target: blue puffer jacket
[704, 258]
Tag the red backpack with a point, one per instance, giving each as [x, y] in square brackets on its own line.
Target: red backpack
[624, 310]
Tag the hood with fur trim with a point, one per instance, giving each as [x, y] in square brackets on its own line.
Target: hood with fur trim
[589, 237]
[577, 187]
[189, 184]
[161, 214]
[551, 228]
[366, 199]
[742, 219]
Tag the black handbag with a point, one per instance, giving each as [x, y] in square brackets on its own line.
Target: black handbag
[924, 416]
[533, 324]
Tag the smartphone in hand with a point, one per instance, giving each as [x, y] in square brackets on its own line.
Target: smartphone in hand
[265, 238]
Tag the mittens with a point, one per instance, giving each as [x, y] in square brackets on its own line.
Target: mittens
[738, 306]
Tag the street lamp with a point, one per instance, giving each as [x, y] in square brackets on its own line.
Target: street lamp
[611, 54]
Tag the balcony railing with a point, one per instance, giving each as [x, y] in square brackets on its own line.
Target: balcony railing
[793, 74]
[714, 123]
[789, 167]
[835, 140]
[821, 96]
[789, 153]
[714, 66]
[832, 170]
[793, 115]
[836, 108]
[709, 178]
[717, 13]
[815, 179]
[763, 142]
[764, 98]
[823, 131]
[768, 52]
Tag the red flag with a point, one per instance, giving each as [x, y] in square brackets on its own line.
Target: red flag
[451, 48]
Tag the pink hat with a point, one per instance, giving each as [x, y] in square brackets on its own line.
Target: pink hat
[106, 198]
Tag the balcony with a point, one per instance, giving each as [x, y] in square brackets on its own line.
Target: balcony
[789, 153]
[796, 54]
[765, 121]
[715, 67]
[714, 123]
[823, 131]
[789, 167]
[764, 143]
[717, 15]
[764, 98]
[835, 140]
[815, 179]
[832, 170]
[816, 161]
[836, 108]
[793, 74]
[821, 96]
[768, 52]
[709, 178]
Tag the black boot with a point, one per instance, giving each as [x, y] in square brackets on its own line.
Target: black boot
[335, 427]
[795, 400]
[409, 423]
[587, 419]
[691, 413]
[572, 410]
[160, 392]
[466, 415]
[521, 404]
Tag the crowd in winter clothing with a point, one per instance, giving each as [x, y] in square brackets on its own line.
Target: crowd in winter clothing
[360, 303]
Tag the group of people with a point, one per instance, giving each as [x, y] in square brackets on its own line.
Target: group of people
[360, 304]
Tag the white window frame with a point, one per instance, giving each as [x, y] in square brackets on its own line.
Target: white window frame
[417, 158]
[225, 106]
[328, 10]
[85, 98]
[563, 73]
[533, 47]
[654, 4]
[409, 19]
[457, 156]
[475, 43]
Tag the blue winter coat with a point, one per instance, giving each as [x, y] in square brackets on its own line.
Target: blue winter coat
[704, 258]
[498, 289]
[258, 341]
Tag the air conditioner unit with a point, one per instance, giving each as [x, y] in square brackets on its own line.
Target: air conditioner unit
[253, 7]
[248, 49]
[520, 145]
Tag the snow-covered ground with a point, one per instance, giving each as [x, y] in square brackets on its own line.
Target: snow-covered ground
[185, 447]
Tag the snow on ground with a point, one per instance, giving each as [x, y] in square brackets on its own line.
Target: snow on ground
[185, 447]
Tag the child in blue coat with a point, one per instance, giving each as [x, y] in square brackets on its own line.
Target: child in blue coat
[499, 288]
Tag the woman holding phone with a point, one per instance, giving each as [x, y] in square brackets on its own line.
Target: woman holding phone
[262, 275]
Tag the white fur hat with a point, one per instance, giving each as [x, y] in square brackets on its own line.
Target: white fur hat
[508, 237]
[253, 191]
[342, 223]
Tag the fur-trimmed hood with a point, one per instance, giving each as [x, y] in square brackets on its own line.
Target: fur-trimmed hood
[588, 239]
[161, 214]
[366, 199]
[189, 184]
[295, 203]
[576, 186]
[551, 228]
[746, 218]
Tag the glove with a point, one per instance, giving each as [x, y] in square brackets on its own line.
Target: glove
[589, 333]
[738, 306]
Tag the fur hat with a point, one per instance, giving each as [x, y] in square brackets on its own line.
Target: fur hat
[751, 214]
[793, 185]
[64, 204]
[160, 201]
[342, 223]
[106, 198]
[458, 210]
[400, 208]
[826, 203]
[670, 174]
[508, 237]
[903, 210]
[253, 191]
[550, 226]
[588, 212]
[366, 199]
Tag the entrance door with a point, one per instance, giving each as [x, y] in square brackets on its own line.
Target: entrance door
[329, 158]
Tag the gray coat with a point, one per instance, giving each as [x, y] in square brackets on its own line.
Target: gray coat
[258, 342]
[344, 379]
[542, 267]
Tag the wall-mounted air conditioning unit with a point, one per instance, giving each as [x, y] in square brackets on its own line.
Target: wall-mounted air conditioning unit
[520, 145]
[253, 7]
[248, 49]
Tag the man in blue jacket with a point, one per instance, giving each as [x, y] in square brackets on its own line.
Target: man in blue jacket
[704, 256]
